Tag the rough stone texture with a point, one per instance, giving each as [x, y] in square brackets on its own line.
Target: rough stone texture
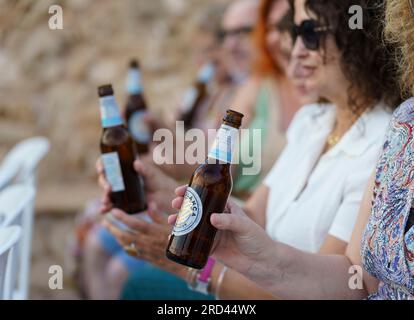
[49, 77]
[48, 87]
[50, 248]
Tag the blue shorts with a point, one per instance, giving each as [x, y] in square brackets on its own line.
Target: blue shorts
[152, 283]
[114, 249]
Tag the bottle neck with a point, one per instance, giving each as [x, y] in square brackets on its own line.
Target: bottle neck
[224, 145]
[110, 115]
[134, 85]
[221, 164]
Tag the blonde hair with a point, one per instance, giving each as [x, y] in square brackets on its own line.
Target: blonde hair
[399, 30]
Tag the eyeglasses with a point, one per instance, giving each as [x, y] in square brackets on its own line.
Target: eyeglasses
[222, 34]
[310, 33]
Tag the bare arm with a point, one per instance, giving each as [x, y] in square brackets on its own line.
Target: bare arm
[287, 272]
[333, 245]
[336, 285]
[245, 99]
[354, 247]
[237, 286]
[255, 207]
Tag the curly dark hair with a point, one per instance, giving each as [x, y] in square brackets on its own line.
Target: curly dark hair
[366, 60]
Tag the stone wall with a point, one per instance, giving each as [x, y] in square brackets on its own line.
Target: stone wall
[49, 77]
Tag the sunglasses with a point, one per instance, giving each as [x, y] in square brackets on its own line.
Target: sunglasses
[310, 32]
[222, 34]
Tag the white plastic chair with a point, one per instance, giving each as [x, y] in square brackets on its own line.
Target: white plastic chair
[15, 202]
[8, 171]
[9, 237]
[21, 162]
[20, 166]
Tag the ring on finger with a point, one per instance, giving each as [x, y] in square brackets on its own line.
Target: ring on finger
[132, 250]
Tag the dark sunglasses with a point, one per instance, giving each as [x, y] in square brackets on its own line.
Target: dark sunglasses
[310, 32]
[222, 34]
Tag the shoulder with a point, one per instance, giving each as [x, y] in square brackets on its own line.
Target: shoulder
[364, 139]
[398, 148]
[249, 87]
[245, 96]
[374, 124]
[402, 124]
[405, 112]
[379, 114]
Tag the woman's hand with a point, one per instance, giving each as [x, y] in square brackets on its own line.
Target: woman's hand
[240, 244]
[159, 187]
[149, 237]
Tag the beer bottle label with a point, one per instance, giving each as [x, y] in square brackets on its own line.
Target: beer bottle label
[224, 144]
[190, 213]
[110, 115]
[206, 73]
[133, 83]
[189, 98]
[139, 128]
[113, 171]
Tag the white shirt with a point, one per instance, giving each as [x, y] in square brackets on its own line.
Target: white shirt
[309, 199]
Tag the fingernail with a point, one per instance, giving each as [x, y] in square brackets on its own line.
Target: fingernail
[213, 219]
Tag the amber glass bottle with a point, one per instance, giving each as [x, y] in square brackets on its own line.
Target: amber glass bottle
[208, 191]
[118, 155]
[196, 95]
[136, 109]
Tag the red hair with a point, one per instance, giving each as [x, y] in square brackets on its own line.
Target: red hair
[264, 64]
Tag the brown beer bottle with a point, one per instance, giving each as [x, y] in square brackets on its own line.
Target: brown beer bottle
[136, 109]
[209, 188]
[196, 95]
[118, 155]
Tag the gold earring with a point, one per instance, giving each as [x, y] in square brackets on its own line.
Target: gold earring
[410, 3]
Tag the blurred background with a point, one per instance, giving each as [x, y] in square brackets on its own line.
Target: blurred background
[48, 87]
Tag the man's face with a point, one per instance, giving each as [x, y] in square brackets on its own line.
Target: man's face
[237, 26]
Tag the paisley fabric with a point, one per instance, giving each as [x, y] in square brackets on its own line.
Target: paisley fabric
[387, 248]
